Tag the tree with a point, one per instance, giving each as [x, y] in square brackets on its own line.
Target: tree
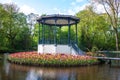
[31, 20]
[11, 27]
[3, 16]
[23, 39]
[14, 29]
[92, 29]
[112, 8]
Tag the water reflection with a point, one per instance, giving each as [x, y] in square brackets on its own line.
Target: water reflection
[18, 72]
[36, 73]
[6, 64]
[103, 72]
[32, 75]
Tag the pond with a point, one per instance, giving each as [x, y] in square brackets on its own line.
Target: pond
[10, 71]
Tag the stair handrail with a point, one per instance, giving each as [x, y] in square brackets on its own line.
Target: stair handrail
[76, 48]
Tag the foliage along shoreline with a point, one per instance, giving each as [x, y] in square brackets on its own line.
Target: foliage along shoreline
[95, 31]
[50, 60]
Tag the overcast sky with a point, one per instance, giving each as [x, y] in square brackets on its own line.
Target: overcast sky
[69, 7]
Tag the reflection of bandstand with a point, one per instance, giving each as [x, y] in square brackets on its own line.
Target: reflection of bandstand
[51, 43]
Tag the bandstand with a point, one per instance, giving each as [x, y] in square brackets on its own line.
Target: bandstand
[53, 43]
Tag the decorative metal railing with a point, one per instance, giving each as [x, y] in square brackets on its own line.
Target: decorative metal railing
[51, 41]
[110, 53]
[76, 48]
[63, 42]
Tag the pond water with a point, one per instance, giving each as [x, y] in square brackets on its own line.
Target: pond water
[10, 71]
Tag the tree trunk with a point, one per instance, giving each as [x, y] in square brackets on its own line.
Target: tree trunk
[117, 39]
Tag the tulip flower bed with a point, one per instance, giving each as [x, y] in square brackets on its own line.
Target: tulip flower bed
[32, 58]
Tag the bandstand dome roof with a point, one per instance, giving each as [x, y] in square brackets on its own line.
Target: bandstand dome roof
[58, 20]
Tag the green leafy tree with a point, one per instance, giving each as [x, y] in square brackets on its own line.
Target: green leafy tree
[11, 27]
[3, 16]
[112, 8]
[14, 30]
[91, 29]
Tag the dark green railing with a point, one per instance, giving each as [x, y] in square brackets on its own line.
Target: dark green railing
[76, 48]
[63, 41]
[110, 53]
[51, 41]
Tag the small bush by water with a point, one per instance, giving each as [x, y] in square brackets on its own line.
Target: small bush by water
[32, 58]
[1, 56]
